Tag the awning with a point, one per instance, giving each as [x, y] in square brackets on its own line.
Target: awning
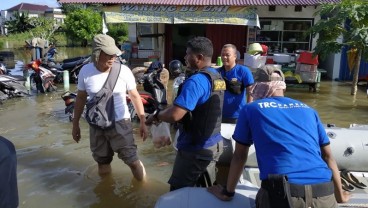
[204, 2]
[171, 14]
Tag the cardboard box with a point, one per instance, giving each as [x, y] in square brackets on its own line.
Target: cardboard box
[306, 68]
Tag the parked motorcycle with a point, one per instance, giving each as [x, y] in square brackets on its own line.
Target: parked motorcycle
[42, 77]
[12, 86]
[3, 69]
[69, 100]
[73, 65]
[154, 95]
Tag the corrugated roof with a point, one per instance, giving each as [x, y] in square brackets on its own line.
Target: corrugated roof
[204, 2]
[29, 7]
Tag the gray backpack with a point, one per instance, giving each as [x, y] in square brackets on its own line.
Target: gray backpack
[100, 111]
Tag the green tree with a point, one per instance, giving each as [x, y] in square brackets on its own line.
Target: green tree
[83, 24]
[20, 22]
[68, 8]
[43, 27]
[349, 20]
[119, 31]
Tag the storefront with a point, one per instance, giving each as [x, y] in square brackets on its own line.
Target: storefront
[162, 28]
[165, 29]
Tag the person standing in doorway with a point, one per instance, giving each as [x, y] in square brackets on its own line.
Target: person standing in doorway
[238, 80]
[120, 138]
[198, 107]
[293, 152]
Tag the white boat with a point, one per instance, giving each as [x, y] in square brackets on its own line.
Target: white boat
[349, 147]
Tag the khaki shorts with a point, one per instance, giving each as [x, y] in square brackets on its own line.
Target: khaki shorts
[119, 139]
[196, 168]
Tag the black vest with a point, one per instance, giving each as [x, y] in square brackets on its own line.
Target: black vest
[205, 120]
[234, 86]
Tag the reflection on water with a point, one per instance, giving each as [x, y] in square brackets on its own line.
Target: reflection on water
[54, 171]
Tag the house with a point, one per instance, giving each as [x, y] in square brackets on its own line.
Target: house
[163, 27]
[33, 10]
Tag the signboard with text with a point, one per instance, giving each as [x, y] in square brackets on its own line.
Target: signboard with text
[172, 14]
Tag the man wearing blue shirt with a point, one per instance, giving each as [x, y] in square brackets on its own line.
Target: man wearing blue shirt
[198, 107]
[293, 151]
[238, 80]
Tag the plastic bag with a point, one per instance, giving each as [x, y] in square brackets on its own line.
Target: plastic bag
[161, 135]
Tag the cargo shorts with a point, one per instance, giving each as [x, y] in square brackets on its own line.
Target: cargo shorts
[104, 143]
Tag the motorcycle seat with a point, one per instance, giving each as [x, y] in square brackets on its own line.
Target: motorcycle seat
[70, 65]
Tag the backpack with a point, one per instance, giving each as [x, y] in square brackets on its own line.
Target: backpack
[100, 111]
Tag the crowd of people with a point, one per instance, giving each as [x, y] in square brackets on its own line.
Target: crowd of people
[264, 117]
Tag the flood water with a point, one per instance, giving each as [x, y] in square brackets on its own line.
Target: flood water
[54, 171]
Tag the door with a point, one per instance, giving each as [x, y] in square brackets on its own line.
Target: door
[224, 34]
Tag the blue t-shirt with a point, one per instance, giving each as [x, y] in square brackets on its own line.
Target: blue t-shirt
[287, 135]
[234, 103]
[195, 91]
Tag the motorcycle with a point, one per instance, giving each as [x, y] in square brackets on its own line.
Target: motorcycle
[3, 69]
[12, 86]
[153, 96]
[73, 65]
[42, 77]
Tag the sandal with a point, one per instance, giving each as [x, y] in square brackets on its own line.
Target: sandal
[352, 179]
[346, 185]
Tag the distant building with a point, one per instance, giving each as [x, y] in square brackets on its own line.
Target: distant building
[33, 10]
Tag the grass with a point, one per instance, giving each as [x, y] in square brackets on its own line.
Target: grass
[58, 38]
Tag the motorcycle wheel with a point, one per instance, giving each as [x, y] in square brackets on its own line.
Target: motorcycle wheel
[71, 117]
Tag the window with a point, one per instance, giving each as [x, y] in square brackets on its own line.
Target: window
[145, 43]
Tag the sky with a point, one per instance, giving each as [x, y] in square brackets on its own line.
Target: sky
[7, 4]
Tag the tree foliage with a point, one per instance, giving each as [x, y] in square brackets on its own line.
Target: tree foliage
[68, 8]
[83, 24]
[348, 21]
[19, 23]
[119, 31]
[43, 27]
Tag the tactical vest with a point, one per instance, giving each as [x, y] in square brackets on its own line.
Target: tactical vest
[205, 120]
[234, 86]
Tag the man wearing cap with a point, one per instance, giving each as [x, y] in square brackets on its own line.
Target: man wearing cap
[292, 148]
[119, 139]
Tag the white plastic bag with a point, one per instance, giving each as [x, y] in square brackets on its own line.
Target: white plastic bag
[161, 135]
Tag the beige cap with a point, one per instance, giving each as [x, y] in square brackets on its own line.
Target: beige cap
[106, 44]
[268, 73]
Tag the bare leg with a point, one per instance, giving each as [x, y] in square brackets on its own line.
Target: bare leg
[138, 170]
[104, 169]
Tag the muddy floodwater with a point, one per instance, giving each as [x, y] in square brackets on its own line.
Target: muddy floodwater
[54, 171]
